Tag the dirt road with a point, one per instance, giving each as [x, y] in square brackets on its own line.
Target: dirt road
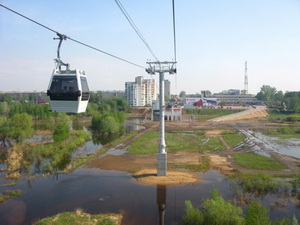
[253, 112]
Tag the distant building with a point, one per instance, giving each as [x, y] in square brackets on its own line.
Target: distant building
[167, 89]
[233, 97]
[230, 92]
[172, 113]
[141, 92]
[111, 94]
[199, 102]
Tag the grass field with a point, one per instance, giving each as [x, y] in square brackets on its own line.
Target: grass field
[258, 162]
[184, 141]
[233, 139]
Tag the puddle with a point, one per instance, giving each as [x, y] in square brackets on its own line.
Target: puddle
[262, 144]
[88, 148]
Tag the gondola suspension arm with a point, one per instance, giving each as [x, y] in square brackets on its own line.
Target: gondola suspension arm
[58, 61]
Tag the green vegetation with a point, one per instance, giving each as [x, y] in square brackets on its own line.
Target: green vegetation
[257, 214]
[290, 101]
[108, 123]
[17, 128]
[61, 133]
[258, 162]
[215, 211]
[147, 144]
[212, 144]
[81, 218]
[284, 132]
[58, 155]
[218, 211]
[45, 158]
[97, 104]
[182, 142]
[261, 183]
[204, 165]
[7, 185]
[275, 115]
[233, 138]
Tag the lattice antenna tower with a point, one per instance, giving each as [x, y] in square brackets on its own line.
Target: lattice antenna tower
[246, 80]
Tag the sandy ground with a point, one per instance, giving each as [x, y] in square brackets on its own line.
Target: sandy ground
[253, 112]
[143, 167]
[150, 177]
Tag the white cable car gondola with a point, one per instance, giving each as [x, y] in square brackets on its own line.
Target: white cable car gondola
[68, 89]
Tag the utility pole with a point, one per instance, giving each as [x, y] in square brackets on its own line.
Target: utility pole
[246, 80]
[161, 68]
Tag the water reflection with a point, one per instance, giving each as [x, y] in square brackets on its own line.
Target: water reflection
[161, 192]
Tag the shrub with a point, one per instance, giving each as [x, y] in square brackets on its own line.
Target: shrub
[293, 118]
[192, 215]
[220, 212]
[257, 214]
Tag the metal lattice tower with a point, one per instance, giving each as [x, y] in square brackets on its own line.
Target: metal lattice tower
[246, 80]
[161, 68]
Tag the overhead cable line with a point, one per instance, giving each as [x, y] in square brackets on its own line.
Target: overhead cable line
[175, 51]
[79, 42]
[121, 7]
[174, 31]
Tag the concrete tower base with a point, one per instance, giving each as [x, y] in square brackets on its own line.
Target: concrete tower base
[161, 164]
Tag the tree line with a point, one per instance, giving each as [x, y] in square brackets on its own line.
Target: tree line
[17, 117]
[288, 101]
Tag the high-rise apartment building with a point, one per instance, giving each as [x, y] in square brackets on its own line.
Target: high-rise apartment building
[141, 92]
[167, 89]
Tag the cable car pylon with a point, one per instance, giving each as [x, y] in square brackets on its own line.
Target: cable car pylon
[161, 68]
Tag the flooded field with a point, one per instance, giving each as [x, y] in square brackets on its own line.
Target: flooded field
[263, 144]
[97, 191]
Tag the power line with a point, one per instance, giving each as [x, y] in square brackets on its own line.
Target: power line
[96, 49]
[174, 31]
[29, 19]
[121, 7]
[175, 51]
[79, 42]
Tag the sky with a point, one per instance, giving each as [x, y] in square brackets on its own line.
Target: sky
[214, 40]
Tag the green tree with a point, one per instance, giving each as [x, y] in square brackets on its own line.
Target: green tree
[292, 100]
[278, 97]
[267, 93]
[61, 133]
[4, 108]
[105, 124]
[6, 98]
[4, 129]
[182, 94]
[20, 127]
[96, 97]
